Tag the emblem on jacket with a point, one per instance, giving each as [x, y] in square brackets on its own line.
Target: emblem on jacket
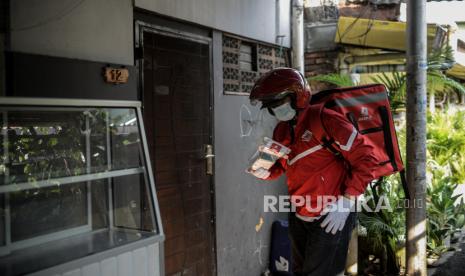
[364, 114]
[307, 136]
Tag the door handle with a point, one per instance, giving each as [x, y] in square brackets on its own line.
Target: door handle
[209, 159]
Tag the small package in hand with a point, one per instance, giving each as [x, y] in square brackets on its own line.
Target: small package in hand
[267, 154]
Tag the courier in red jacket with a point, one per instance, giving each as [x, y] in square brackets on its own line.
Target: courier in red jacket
[323, 187]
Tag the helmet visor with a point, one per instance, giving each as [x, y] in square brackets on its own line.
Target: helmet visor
[275, 103]
[275, 100]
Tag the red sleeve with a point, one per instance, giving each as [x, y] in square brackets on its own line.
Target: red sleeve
[278, 169]
[355, 150]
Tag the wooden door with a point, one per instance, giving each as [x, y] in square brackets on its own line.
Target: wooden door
[177, 114]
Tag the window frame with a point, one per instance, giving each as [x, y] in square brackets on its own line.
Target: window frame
[253, 56]
[144, 169]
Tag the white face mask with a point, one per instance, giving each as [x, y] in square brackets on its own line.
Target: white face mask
[284, 112]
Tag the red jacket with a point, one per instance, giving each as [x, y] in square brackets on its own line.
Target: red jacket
[313, 171]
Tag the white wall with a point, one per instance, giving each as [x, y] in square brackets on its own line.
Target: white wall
[439, 12]
[97, 30]
[284, 23]
[254, 19]
[143, 261]
[102, 30]
[242, 249]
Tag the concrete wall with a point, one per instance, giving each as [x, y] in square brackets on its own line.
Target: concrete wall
[239, 127]
[97, 30]
[254, 19]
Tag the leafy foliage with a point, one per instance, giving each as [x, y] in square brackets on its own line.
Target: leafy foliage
[339, 80]
[446, 170]
[438, 83]
[396, 85]
[441, 58]
[385, 228]
[446, 144]
[444, 214]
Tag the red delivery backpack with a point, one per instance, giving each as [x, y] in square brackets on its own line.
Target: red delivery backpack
[367, 108]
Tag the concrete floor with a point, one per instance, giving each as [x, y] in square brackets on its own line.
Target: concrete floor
[454, 265]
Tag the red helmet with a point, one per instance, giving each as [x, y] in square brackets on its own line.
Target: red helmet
[277, 84]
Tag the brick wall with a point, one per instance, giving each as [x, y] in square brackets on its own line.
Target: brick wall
[380, 12]
[318, 63]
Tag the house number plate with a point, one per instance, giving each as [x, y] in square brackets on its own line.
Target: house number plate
[116, 75]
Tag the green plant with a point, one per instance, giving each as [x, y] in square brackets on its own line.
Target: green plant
[338, 80]
[385, 228]
[438, 83]
[445, 167]
[396, 85]
[446, 143]
[445, 214]
[459, 221]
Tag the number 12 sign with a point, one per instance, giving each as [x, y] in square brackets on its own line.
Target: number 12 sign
[116, 75]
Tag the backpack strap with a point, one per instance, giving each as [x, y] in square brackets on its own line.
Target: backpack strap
[319, 131]
[403, 180]
[316, 124]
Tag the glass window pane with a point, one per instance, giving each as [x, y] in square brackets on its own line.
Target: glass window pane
[66, 172]
[43, 211]
[125, 139]
[245, 58]
[132, 208]
[100, 203]
[42, 144]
